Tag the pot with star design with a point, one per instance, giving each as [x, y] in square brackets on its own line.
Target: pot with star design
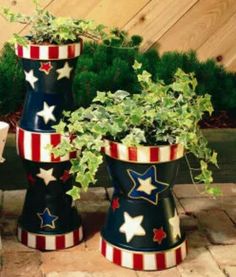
[142, 229]
[49, 221]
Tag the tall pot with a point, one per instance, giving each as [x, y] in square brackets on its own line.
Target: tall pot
[142, 229]
[49, 221]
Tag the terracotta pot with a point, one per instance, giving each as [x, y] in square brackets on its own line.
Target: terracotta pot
[4, 127]
[48, 221]
[142, 229]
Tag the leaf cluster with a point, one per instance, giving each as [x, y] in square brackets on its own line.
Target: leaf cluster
[158, 114]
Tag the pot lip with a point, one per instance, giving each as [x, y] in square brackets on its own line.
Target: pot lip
[50, 44]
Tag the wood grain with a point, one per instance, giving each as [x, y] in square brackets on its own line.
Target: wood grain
[156, 18]
[197, 25]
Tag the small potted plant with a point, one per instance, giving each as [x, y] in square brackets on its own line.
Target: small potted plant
[49, 56]
[3, 136]
[143, 136]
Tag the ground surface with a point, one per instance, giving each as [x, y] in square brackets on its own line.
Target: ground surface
[210, 226]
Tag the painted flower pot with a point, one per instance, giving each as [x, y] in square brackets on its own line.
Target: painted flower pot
[142, 229]
[3, 136]
[49, 221]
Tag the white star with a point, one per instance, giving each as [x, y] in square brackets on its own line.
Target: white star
[132, 226]
[46, 175]
[47, 113]
[146, 185]
[29, 76]
[174, 222]
[64, 72]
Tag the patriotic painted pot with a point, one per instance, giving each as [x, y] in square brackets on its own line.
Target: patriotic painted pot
[49, 221]
[3, 136]
[142, 228]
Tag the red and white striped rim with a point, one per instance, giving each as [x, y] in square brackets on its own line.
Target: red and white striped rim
[49, 242]
[143, 154]
[144, 260]
[32, 146]
[49, 52]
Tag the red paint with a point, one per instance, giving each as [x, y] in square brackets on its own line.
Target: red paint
[76, 236]
[66, 176]
[117, 256]
[71, 51]
[104, 248]
[36, 145]
[160, 261]
[178, 255]
[34, 52]
[20, 50]
[60, 242]
[72, 155]
[40, 242]
[55, 140]
[114, 150]
[115, 204]
[173, 151]
[20, 143]
[159, 235]
[24, 237]
[154, 154]
[138, 261]
[132, 154]
[45, 67]
[53, 52]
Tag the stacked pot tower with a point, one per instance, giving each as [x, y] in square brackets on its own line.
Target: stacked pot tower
[48, 221]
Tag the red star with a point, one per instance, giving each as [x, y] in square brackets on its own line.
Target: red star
[66, 176]
[159, 235]
[30, 179]
[115, 203]
[45, 67]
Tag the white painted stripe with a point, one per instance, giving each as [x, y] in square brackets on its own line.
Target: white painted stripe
[123, 152]
[164, 153]
[45, 155]
[180, 151]
[107, 149]
[43, 52]
[63, 53]
[78, 49]
[183, 250]
[149, 262]
[100, 243]
[170, 258]
[31, 240]
[109, 252]
[127, 259]
[19, 232]
[143, 154]
[69, 240]
[80, 233]
[50, 242]
[27, 145]
[26, 52]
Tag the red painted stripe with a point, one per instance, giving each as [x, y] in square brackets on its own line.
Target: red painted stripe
[117, 256]
[114, 150]
[160, 261]
[53, 52]
[178, 255]
[71, 51]
[19, 50]
[138, 261]
[104, 248]
[60, 242]
[72, 155]
[40, 242]
[34, 52]
[76, 236]
[154, 154]
[132, 154]
[20, 143]
[24, 237]
[55, 140]
[173, 151]
[35, 145]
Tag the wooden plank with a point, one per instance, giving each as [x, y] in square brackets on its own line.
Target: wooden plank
[156, 18]
[26, 7]
[196, 26]
[222, 43]
[116, 13]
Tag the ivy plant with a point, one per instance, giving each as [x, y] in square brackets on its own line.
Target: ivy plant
[49, 29]
[158, 114]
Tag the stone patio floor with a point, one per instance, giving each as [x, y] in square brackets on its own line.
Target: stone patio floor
[210, 226]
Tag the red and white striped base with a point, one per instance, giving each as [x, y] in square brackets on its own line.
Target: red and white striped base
[49, 242]
[144, 260]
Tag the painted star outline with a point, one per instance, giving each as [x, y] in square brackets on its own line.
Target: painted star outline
[149, 173]
[47, 219]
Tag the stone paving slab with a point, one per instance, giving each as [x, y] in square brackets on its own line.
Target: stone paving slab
[207, 222]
